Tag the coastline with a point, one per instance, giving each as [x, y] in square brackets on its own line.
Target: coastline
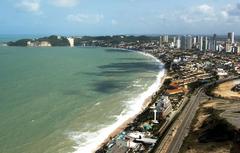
[147, 101]
[141, 103]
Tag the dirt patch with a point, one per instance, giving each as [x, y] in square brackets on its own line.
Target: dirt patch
[224, 90]
[210, 132]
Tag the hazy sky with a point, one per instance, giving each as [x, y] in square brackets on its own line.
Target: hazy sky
[107, 17]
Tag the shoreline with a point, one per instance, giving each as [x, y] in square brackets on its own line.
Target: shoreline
[141, 102]
[146, 104]
[147, 101]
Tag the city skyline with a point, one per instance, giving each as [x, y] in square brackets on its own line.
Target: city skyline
[82, 17]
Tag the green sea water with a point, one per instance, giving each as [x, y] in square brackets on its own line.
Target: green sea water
[61, 99]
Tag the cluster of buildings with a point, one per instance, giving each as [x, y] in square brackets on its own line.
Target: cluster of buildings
[161, 108]
[191, 61]
[38, 44]
[140, 137]
[202, 43]
[46, 42]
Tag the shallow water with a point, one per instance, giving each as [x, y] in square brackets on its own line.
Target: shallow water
[59, 99]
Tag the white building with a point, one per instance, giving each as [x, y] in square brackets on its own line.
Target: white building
[194, 41]
[165, 38]
[221, 72]
[178, 43]
[39, 44]
[164, 106]
[71, 41]
[206, 44]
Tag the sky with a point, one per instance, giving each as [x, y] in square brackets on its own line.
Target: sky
[111, 17]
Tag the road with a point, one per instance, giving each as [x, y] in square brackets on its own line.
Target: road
[186, 118]
[172, 141]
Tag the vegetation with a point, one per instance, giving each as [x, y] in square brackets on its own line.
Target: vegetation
[53, 40]
[215, 129]
[22, 42]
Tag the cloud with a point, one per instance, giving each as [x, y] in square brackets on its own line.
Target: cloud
[114, 22]
[85, 18]
[231, 12]
[29, 5]
[235, 10]
[201, 13]
[65, 3]
[206, 9]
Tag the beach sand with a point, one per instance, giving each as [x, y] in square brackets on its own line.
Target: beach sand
[146, 104]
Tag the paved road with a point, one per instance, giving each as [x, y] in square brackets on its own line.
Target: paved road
[172, 141]
[186, 118]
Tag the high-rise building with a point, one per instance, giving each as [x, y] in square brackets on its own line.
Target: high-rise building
[206, 45]
[214, 42]
[178, 45]
[201, 43]
[183, 43]
[160, 41]
[194, 41]
[198, 39]
[189, 42]
[231, 37]
[174, 40]
[165, 38]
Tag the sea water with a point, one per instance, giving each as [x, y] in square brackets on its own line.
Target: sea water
[62, 99]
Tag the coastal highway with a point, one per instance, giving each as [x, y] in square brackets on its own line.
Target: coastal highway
[185, 121]
[173, 139]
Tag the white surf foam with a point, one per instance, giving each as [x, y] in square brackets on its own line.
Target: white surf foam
[88, 142]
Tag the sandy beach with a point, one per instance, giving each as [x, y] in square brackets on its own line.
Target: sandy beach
[146, 104]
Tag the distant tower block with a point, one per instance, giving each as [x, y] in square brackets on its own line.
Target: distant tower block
[178, 43]
[201, 43]
[231, 37]
[71, 41]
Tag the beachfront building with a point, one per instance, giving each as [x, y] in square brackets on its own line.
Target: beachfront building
[163, 107]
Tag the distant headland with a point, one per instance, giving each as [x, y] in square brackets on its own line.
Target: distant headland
[103, 41]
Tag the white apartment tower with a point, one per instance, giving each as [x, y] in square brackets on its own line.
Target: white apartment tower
[178, 43]
[206, 43]
[201, 43]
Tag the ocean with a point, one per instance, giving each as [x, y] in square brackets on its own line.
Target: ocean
[61, 99]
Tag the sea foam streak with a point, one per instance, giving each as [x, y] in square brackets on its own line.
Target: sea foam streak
[92, 140]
